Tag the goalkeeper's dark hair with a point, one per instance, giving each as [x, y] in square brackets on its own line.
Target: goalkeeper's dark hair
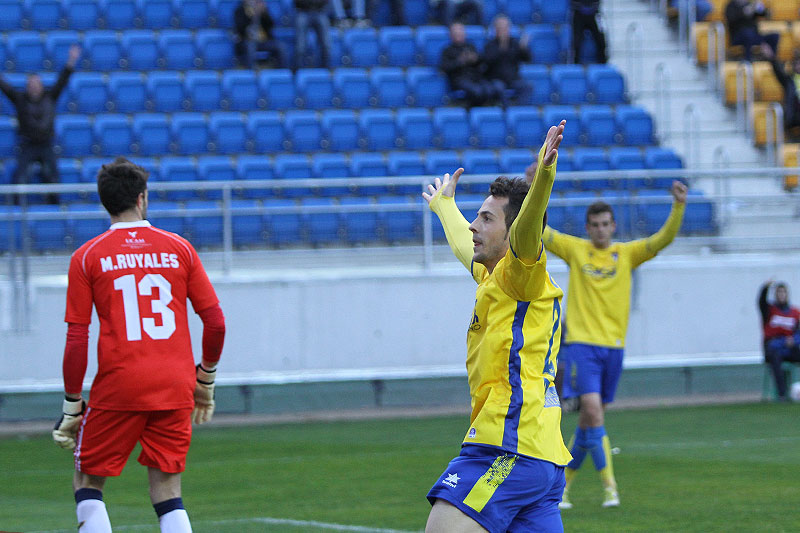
[119, 185]
[598, 208]
[515, 190]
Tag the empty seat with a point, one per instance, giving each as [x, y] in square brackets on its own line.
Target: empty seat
[293, 167]
[538, 79]
[315, 87]
[653, 208]
[156, 14]
[340, 129]
[265, 130]
[303, 130]
[57, 47]
[439, 163]
[81, 14]
[545, 44]
[321, 220]
[378, 129]
[215, 48]
[605, 84]
[361, 47]
[248, 223]
[168, 216]
[192, 14]
[331, 166]
[253, 168]
[552, 11]
[26, 51]
[625, 158]
[204, 223]
[636, 125]
[552, 115]
[598, 125]
[283, 221]
[277, 86]
[240, 90]
[203, 90]
[175, 169]
[352, 87]
[481, 162]
[360, 219]
[141, 49]
[69, 172]
[400, 217]
[369, 165]
[488, 126]
[74, 135]
[120, 14]
[516, 160]
[569, 83]
[113, 134]
[128, 91]
[520, 11]
[699, 215]
[229, 132]
[661, 158]
[47, 228]
[177, 49]
[215, 168]
[389, 86]
[222, 12]
[103, 49]
[397, 46]
[166, 91]
[190, 132]
[416, 128]
[8, 136]
[427, 86]
[525, 126]
[431, 40]
[11, 15]
[152, 133]
[588, 159]
[452, 127]
[43, 14]
[88, 93]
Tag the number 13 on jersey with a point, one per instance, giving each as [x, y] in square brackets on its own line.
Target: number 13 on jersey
[134, 323]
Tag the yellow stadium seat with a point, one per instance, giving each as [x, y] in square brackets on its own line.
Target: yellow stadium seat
[700, 32]
[729, 78]
[718, 11]
[783, 9]
[784, 29]
[759, 118]
[789, 158]
[767, 87]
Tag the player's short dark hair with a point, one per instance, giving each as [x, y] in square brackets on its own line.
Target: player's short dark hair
[597, 208]
[515, 190]
[119, 185]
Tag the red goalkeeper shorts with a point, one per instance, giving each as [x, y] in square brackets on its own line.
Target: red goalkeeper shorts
[107, 438]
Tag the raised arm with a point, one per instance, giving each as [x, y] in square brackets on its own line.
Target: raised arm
[526, 231]
[647, 248]
[763, 304]
[66, 72]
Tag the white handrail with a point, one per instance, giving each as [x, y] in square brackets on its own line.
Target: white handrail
[635, 57]
[716, 55]
[721, 160]
[691, 127]
[663, 81]
[774, 125]
[745, 96]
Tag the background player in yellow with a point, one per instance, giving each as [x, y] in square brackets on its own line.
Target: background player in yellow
[509, 475]
[598, 302]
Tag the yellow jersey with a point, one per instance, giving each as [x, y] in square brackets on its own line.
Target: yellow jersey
[599, 295]
[514, 334]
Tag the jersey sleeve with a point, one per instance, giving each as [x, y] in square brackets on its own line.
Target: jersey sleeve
[200, 291]
[79, 293]
[642, 250]
[560, 244]
[456, 229]
[526, 230]
[522, 280]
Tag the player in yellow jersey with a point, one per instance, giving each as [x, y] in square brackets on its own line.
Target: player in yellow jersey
[509, 475]
[598, 303]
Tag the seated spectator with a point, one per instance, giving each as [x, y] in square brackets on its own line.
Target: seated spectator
[311, 13]
[702, 8]
[465, 71]
[503, 55]
[791, 98]
[781, 336]
[742, 19]
[464, 11]
[584, 18]
[255, 41]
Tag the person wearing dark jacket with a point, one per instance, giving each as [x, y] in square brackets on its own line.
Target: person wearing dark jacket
[465, 70]
[780, 322]
[742, 19]
[253, 26]
[584, 18]
[36, 113]
[503, 55]
[789, 81]
[311, 13]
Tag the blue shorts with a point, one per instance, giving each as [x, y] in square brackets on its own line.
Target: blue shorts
[503, 492]
[592, 368]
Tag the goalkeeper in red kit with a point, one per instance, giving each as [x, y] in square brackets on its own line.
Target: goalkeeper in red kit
[147, 388]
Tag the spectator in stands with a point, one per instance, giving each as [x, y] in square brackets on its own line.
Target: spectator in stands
[465, 11]
[781, 335]
[503, 55]
[584, 17]
[358, 10]
[311, 13]
[702, 8]
[742, 19]
[465, 70]
[36, 113]
[255, 42]
[791, 98]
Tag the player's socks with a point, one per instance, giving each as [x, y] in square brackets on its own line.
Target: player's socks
[91, 511]
[607, 472]
[594, 445]
[577, 447]
[172, 516]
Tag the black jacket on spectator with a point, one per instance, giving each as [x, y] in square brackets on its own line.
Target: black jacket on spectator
[241, 20]
[504, 64]
[791, 103]
[586, 7]
[738, 20]
[35, 117]
[310, 5]
[454, 68]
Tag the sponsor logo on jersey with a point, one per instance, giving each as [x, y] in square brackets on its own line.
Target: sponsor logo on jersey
[783, 322]
[598, 271]
[475, 325]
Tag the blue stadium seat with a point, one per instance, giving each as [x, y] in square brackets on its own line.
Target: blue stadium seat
[222, 12]
[416, 12]
[525, 126]
[605, 84]
[113, 134]
[57, 48]
[322, 224]
[177, 49]
[340, 130]
[89, 221]
[120, 14]
[168, 216]
[284, 226]
[26, 51]
[128, 91]
[452, 127]
[74, 135]
[277, 86]
[229, 132]
[166, 91]
[331, 166]
[488, 125]
[378, 128]
[636, 125]
[492, 8]
[190, 131]
[476, 35]
[293, 167]
[88, 93]
[416, 128]
[156, 14]
[397, 46]
[303, 130]
[538, 78]
[520, 11]
[625, 158]
[361, 47]
[569, 83]
[240, 90]
[215, 48]
[575, 210]
[192, 14]
[598, 125]
[315, 87]
[659, 159]
[406, 164]
[653, 208]
[389, 86]
[588, 159]
[8, 136]
[179, 169]
[352, 87]
[361, 224]
[150, 164]
[204, 223]
[699, 215]
[103, 49]
[515, 160]
[427, 86]
[248, 223]
[215, 168]
[439, 163]
[203, 90]
[81, 14]
[47, 233]
[265, 130]
[369, 165]
[401, 218]
[152, 133]
[552, 115]
[431, 40]
[252, 168]
[552, 11]
[11, 15]
[545, 45]
[69, 172]
[481, 162]
[44, 14]
[141, 49]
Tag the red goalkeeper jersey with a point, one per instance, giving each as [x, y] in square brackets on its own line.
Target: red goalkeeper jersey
[138, 278]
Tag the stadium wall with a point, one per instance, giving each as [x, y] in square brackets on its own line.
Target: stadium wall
[406, 321]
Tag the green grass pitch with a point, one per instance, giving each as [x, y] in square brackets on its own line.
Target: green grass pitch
[683, 469]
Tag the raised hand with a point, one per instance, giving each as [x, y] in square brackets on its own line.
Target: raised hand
[554, 137]
[679, 191]
[446, 185]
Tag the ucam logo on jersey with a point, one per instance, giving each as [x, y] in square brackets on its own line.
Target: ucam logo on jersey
[451, 480]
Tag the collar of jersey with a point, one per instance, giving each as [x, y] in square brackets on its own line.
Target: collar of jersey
[126, 225]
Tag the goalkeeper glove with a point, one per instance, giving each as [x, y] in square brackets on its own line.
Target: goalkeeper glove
[66, 428]
[203, 395]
